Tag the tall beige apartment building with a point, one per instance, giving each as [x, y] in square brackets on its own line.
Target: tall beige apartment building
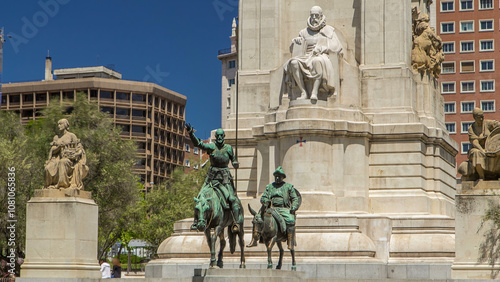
[229, 60]
[470, 32]
[152, 115]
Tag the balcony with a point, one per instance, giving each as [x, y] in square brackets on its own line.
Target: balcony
[107, 100]
[138, 118]
[224, 51]
[139, 134]
[122, 117]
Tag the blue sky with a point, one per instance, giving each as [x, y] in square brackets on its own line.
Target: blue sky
[171, 43]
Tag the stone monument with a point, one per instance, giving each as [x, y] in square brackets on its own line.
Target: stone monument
[477, 193]
[61, 220]
[370, 154]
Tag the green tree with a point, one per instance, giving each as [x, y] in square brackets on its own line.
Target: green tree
[13, 155]
[110, 159]
[489, 249]
[166, 203]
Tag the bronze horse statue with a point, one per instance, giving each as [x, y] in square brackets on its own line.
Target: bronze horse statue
[212, 216]
[268, 231]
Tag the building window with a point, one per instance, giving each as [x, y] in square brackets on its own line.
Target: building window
[449, 108]
[195, 166]
[488, 106]
[467, 26]
[487, 65]
[195, 151]
[186, 163]
[106, 94]
[466, 125]
[485, 25]
[448, 27]
[122, 96]
[123, 113]
[228, 102]
[485, 4]
[467, 46]
[448, 67]
[447, 87]
[108, 110]
[467, 66]
[487, 86]
[188, 149]
[449, 47]
[486, 45]
[467, 87]
[465, 147]
[451, 127]
[230, 82]
[28, 98]
[138, 97]
[447, 6]
[232, 64]
[466, 5]
[467, 107]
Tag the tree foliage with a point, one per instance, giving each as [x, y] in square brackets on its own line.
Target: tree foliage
[489, 250]
[13, 154]
[110, 159]
[167, 203]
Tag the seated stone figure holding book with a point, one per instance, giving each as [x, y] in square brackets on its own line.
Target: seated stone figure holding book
[310, 68]
[484, 154]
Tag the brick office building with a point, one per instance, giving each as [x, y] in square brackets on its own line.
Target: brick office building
[194, 157]
[470, 32]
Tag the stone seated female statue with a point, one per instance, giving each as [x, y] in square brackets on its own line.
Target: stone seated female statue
[66, 166]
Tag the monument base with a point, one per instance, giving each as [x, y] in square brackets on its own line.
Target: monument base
[229, 275]
[332, 269]
[330, 246]
[473, 200]
[61, 237]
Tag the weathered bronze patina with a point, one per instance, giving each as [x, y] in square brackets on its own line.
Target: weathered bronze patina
[217, 205]
[275, 222]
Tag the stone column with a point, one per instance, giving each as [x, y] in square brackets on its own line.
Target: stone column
[61, 235]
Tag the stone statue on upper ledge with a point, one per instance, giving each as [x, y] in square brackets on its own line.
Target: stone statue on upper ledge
[66, 166]
[484, 155]
[427, 53]
[310, 68]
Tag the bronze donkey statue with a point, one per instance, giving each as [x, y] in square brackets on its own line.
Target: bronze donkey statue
[267, 230]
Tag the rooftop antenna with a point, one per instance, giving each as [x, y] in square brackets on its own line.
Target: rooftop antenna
[48, 53]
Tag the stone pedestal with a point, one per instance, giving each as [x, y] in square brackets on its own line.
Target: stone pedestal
[250, 275]
[473, 200]
[61, 235]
